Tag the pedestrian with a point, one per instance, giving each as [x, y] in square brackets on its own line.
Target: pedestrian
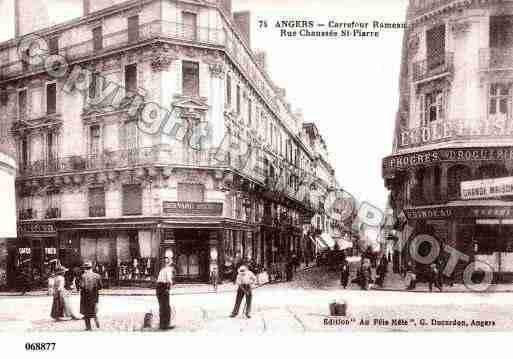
[289, 270]
[411, 277]
[90, 286]
[164, 283]
[365, 274]
[23, 280]
[61, 307]
[214, 278]
[245, 279]
[434, 277]
[344, 273]
[381, 272]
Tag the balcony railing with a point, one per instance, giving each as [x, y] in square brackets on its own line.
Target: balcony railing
[148, 31]
[28, 213]
[147, 156]
[433, 66]
[429, 5]
[53, 212]
[97, 211]
[495, 58]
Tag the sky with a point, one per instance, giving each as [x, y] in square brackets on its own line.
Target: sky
[347, 86]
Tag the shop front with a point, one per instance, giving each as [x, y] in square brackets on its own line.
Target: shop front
[483, 232]
[35, 253]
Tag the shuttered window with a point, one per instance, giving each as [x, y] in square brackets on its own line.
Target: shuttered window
[132, 200]
[190, 78]
[228, 90]
[97, 38]
[131, 78]
[435, 39]
[53, 46]
[190, 21]
[501, 31]
[22, 104]
[51, 98]
[188, 192]
[133, 28]
[96, 202]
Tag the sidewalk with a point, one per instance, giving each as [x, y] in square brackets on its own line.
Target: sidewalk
[178, 289]
[395, 282]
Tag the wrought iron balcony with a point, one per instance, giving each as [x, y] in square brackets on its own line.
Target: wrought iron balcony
[97, 211]
[28, 213]
[53, 212]
[157, 155]
[428, 5]
[495, 59]
[433, 66]
[116, 40]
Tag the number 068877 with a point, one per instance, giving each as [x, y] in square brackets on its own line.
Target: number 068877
[40, 346]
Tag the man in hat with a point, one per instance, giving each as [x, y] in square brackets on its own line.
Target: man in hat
[90, 285]
[164, 283]
[245, 279]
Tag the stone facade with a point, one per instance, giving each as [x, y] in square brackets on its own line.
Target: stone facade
[224, 176]
[454, 126]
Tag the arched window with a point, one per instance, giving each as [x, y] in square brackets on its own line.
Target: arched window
[455, 176]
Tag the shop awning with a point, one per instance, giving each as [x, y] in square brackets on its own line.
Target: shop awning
[344, 244]
[318, 242]
[327, 240]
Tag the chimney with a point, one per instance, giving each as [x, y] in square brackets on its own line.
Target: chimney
[86, 7]
[261, 58]
[243, 21]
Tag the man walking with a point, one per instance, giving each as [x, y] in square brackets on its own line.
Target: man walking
[245, 279]
[90, 285]
[344, 273]
[434, 277]
[164, 283]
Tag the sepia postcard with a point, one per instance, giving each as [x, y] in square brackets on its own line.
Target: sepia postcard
[228, 167]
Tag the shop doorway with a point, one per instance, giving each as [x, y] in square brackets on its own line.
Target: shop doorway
[192, 255]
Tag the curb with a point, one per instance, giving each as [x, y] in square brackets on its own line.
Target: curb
[128, 294]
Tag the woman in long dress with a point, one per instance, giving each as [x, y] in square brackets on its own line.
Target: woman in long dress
[61, 308]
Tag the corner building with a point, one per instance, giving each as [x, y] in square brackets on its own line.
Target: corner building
[92, 185]
[454, 127]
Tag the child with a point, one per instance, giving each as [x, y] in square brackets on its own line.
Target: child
[214, 278]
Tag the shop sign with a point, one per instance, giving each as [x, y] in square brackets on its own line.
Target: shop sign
[440, 131]
[494, 187]
[405, 161]
[24, 250]
[51, 251]
[193, 208]
[460, 212]
[37, 228]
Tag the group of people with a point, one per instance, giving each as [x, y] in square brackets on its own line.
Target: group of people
[434, 277]
[364, 276]
[90, 285]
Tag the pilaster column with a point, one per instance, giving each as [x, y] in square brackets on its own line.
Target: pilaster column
[216, 100]
[214, 251]
[444, 169]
